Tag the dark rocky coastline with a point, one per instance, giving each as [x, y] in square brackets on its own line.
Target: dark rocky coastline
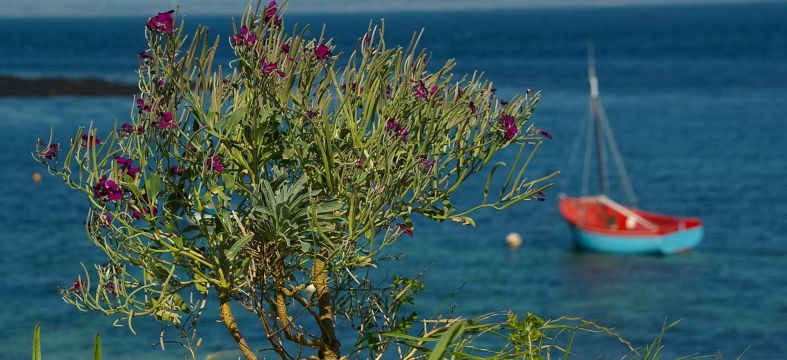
[12, 86]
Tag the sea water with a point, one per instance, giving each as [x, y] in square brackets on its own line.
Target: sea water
[697, 96]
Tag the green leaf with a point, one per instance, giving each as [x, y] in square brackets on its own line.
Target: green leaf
[237, 246]
[206, 198]
[409, 337]
[446, 339]
[229, 181]
[178, 240]
[152, 186]
[201, 287]
[37, 342]
[97, 347]
[464, 220]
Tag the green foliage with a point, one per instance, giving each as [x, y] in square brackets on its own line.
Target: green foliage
[526, 332]
[530, 339]
[37, 344]
[97, 347]
[276, 184]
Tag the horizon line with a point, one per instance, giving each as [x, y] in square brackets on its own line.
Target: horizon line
[423, 8]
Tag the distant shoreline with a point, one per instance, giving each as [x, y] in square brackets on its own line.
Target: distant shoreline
[13, 86]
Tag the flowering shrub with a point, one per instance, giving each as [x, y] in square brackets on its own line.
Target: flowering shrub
[275, 185]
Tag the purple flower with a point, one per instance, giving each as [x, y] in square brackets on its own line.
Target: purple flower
[472, 107]
[142, 56]
[167, 121]
[142, 106]
[354, 87]
[110, 286]
[176, 170]
[133, 172]
[392, 125]
[138, 211]
[398, 129]
[285, 48]
[312, 114]
[388, 91]
[507, 120]
[508, 123]
[367, 41]
[421, 92]
[403, 134]
[405, 229]
[51, 152]
[427, 163]
[77, 286]
[128, 129]
[322, 52]
[216, 164]
[107, 189]
[90, 140]
[167, 125]
[504, 102]
[123, 163]
[271, 9]
[270, 13]
[268, 68]
[245, 37]
[544, 133]
[162, 23]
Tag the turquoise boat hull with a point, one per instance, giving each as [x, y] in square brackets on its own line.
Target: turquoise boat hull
[666, 244]
[600, 224]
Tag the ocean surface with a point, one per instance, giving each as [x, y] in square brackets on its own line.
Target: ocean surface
[697, 96]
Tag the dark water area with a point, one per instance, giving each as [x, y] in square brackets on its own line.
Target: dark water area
[697, 96]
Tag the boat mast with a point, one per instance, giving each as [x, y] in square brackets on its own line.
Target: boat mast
[595, 108]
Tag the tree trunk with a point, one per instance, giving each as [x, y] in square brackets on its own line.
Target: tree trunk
[229, 321]
[330, 349]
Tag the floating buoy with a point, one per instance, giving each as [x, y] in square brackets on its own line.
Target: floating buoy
[36, 177]
[513, 240]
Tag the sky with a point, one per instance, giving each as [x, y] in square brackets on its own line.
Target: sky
[26, 8]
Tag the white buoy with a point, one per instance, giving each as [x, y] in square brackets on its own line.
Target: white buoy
[513, 240]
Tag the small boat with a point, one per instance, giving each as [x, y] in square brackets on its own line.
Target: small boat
[601, 224]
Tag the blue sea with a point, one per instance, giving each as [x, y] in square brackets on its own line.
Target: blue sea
[697, 96]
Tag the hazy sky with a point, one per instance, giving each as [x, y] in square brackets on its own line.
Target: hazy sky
[17, 8]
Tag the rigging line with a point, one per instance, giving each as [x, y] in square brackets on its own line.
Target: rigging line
[613, 145]
[588, 152]
[574, 154]
[595, 104]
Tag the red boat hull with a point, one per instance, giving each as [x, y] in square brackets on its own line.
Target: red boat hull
[600, 224]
